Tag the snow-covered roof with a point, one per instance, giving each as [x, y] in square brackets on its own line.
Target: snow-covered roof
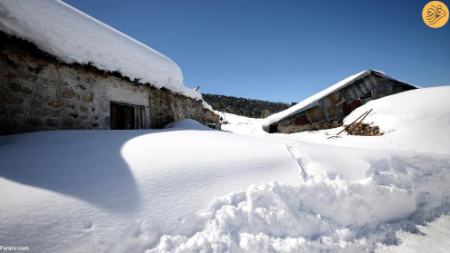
[75, 37]
[313, 100]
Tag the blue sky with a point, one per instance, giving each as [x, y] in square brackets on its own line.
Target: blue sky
[283, 50]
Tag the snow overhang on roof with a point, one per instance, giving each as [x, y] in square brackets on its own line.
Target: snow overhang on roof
[313, 100]
[74, 37]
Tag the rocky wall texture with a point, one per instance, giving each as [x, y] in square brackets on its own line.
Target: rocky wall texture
[291, 126]
[39, 92]
[168, 107]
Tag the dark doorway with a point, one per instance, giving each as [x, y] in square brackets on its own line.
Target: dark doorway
[349, 107]
[125, 116]
[273, 128]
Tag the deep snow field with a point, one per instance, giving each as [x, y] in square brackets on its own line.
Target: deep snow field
[188, 188]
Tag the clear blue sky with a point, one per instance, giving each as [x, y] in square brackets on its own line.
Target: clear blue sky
[283, 50]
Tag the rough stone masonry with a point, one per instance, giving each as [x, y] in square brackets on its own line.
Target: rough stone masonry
[39, 92]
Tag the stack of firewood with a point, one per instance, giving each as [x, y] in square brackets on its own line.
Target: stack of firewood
[360, 128]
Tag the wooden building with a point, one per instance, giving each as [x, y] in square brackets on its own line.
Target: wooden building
[328, 108]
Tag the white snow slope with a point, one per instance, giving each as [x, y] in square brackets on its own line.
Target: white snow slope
[241, 124]
[191, 189]
[73, 36]
[416, 120]
[118, 191]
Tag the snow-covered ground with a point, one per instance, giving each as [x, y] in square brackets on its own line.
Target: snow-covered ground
[416, 120]
[191, 189]
[241, 125]
[112, 190]
[431, 237]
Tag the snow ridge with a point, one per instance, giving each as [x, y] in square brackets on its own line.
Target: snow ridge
[151, 190]
[330, 214]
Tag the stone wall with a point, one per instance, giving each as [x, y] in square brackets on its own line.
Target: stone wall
[291, 126]
[38, 92]
[168, 107]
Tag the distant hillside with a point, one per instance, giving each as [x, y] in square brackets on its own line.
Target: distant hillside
[243, 106]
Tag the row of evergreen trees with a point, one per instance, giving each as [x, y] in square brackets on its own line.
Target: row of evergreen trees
[243, 106]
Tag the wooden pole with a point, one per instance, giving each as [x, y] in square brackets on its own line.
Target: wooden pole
[365, 115]
[367, 112]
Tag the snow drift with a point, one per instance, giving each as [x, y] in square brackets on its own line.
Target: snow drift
[188, 188]
[119, 191]
[417, 119]
[353, 197]
[358, 192]
[333, 215]
[73, 36]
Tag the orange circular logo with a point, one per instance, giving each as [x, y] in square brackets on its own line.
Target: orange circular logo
[435, 14]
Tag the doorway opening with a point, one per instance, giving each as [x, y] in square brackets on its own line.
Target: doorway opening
[126, 116]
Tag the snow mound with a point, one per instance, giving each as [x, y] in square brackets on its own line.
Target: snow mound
[416, 119]
[330, 214]
[186, 124]
[120, 190]
[73, 36]
[357, 194]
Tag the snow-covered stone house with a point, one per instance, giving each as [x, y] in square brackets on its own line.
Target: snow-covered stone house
[62, 69]
[328, 108]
